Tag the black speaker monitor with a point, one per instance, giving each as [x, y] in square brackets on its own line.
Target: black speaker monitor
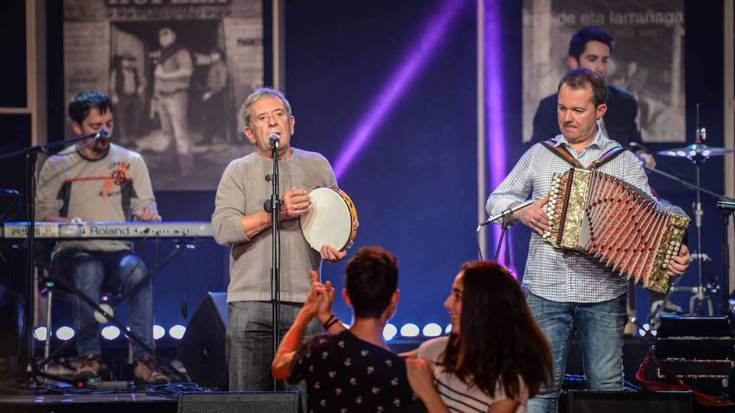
[629, 402]
[202, 349]
[240, 402]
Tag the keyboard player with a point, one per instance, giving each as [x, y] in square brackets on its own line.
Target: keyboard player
[97, 180]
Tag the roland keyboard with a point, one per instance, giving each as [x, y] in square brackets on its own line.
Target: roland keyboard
[110, 230]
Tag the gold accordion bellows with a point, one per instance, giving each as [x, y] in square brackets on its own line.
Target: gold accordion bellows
[615, 223]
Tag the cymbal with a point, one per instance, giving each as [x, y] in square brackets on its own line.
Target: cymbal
[695, 150]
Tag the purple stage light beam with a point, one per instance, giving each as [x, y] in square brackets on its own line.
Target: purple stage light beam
[494, 107]
[404, 74]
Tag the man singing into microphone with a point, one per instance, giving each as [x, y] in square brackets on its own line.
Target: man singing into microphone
[96, 180]
[240, 221]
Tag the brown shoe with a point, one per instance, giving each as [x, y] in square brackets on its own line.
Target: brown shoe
[147, 372]
[89, 367]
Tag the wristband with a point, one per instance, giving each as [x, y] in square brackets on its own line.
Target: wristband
[330, 321]
[333, 322]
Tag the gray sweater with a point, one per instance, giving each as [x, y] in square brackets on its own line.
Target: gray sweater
[242, 191]
[104, 190]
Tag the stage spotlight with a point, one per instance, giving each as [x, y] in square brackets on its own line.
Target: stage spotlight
[177, 331]
[65, 333]
[158, 332]
[410, 330]
[110, 332]
[389, 331]
[448, 329]
[40, 333]
[432, 330]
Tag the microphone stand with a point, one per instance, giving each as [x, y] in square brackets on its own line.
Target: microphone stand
[274, 206]
[698, 291]
[688, 185]
[31, 156]
[505, 223]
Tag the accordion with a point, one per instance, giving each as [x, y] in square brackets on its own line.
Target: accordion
[616, 224]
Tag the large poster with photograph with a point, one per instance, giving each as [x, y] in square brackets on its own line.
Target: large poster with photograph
[647, 60]
[176, 72]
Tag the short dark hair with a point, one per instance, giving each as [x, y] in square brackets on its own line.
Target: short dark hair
[371, 278]
[81, 104]
[580, 78]
[587, 34]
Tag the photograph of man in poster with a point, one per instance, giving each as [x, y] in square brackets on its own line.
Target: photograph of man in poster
[126, 92]
[652, 45]
[213, 99]
[172, 78]
[177, 73]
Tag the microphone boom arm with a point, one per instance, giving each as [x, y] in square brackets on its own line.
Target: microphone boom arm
[507, 213]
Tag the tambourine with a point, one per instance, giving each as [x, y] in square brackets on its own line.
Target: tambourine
[331, 220]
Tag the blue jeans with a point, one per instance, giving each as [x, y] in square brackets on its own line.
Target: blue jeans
[599, 327]
[93, 272]
[249, 344]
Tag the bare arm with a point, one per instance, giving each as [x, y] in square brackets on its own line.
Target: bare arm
[324, 310]
[421, 379]
[281, 365]
[503, 406]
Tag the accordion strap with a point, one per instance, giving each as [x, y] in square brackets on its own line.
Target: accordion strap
[606, 157]
[564, 154]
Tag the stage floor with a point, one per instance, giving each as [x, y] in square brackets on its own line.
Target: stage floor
[77, 401]
[242, 402]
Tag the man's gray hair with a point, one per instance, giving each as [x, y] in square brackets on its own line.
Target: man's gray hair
[258, 94]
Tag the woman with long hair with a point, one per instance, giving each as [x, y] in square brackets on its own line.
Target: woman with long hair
[495, 358]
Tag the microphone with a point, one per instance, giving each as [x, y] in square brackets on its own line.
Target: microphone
[274, 139]
[102, 134]
[726, 206]
[507, 212]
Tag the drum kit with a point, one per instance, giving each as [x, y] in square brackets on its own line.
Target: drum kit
[697, 153]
